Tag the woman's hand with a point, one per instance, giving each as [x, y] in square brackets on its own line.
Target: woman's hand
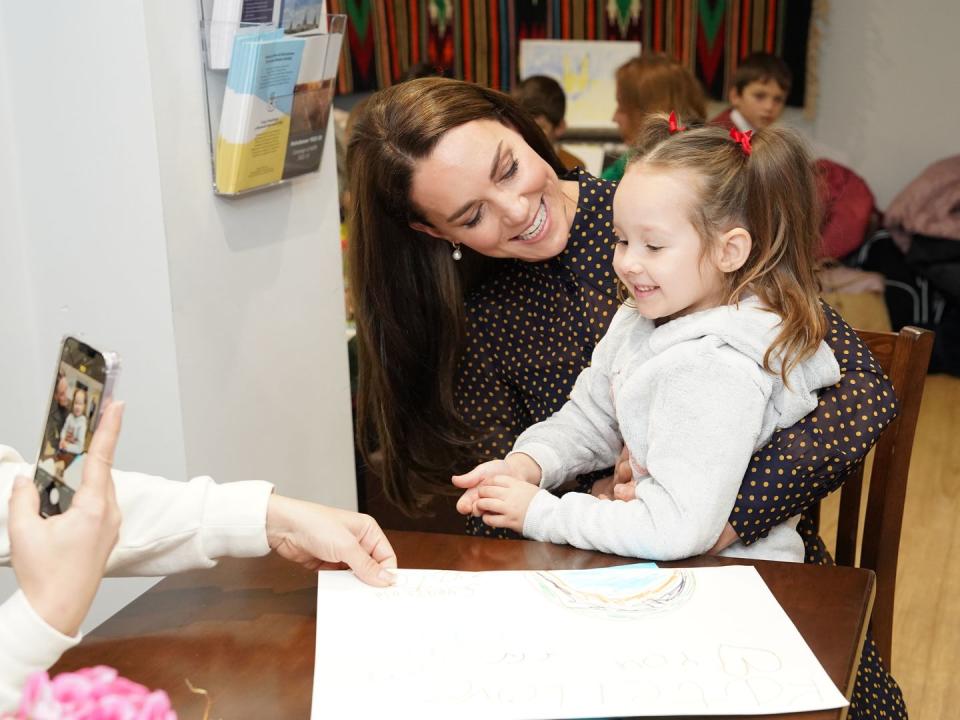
[504, 500]
[620, 485]
[312, 534]
[59, 561]
[726, 539]
[517, 465]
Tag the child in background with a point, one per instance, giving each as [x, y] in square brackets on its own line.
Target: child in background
[759, 93]
[719, 344]
[653, 84]
[544, 99]
[74, 432]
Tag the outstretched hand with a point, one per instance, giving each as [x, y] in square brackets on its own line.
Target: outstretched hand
[517, 465]
[471, 481]
[59, 561]
[504, 501]
[313, 535]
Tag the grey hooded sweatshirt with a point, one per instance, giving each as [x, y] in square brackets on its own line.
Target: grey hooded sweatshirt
[692, 403]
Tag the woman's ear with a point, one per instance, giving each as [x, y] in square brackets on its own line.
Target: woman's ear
[734, 249]
[424, 228]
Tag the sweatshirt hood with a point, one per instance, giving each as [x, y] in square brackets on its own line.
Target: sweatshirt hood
[751, 330]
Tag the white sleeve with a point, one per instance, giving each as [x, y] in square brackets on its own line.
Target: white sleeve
[168, 526]
[581, 436]
[27, 645]
[171, 526]
[705, 419]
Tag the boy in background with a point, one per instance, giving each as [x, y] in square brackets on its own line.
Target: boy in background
[759, 93]
[544, 99]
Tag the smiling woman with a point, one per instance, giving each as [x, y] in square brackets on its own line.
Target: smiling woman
[506, 201]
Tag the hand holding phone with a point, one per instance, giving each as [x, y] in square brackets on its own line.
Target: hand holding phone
[82, 387]
[59, 561]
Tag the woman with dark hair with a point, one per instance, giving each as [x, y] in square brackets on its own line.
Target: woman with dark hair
[482, 280]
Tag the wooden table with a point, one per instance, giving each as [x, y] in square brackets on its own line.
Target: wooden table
[245, 630]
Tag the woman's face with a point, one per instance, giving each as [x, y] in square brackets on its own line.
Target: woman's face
[626, 118]
[484, 187]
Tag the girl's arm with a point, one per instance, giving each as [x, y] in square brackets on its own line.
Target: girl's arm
[705, 418]
[802, 464]
[583, 435]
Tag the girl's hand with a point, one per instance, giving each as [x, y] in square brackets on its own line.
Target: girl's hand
[516, 465]
[504, 501]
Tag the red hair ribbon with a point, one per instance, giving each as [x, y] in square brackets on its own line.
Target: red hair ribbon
[742, 139]
[675, 125]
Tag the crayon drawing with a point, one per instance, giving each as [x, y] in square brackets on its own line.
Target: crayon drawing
[618, 592]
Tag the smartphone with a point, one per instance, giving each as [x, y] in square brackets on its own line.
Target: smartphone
[82, 385]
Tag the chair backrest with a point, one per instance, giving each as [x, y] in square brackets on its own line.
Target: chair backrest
[904, 357]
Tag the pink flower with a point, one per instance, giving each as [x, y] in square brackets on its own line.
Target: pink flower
[97, 693]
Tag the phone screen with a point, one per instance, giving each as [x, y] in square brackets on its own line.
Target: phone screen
[81, 386]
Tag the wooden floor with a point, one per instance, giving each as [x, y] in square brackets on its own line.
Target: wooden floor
[926, 640]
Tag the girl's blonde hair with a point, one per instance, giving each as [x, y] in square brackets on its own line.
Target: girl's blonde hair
[770, 192]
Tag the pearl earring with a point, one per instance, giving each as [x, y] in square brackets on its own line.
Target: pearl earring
[456, 251]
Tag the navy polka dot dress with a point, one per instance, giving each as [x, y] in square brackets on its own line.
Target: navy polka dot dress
[532, 328]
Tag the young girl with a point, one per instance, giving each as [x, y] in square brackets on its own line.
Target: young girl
[719, 343]
[74, 432]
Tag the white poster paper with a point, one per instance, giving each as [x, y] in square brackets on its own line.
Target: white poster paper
[586, 69]
[628, 641]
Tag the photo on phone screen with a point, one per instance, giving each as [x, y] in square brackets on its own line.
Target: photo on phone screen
[84, 380]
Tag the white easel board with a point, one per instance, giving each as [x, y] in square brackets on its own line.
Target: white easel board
[586, 69]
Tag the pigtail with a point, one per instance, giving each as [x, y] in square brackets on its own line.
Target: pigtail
[656, 128]
[782, 212]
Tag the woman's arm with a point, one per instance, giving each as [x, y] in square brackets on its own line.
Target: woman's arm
[802, 464]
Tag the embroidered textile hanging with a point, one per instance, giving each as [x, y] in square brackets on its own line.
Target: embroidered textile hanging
[478, 40]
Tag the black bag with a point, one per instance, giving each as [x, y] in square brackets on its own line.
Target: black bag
[922, 289]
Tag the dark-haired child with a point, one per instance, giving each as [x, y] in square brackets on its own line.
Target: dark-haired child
[761, 85]
[544, 99]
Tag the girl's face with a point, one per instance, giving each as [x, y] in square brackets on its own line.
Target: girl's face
[79, 403]
[484, 187]
[659, 255]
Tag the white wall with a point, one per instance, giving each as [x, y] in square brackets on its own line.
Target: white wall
[257, 294]
[890, 88]
[88, 247]
[228, 314]
[889, 102]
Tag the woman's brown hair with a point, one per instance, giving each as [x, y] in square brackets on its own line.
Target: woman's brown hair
[655, 83]
[772, 193]
[407, 290]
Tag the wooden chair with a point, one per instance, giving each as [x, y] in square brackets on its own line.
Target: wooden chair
[904, 357]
